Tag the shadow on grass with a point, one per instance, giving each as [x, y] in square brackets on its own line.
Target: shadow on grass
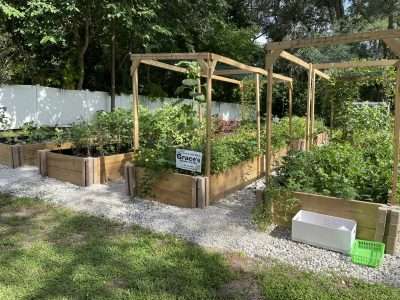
[54, 253]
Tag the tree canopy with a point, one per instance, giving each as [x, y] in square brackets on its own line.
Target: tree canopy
[85, 44]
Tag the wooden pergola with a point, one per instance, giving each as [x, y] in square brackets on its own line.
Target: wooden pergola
[208, 63]
[275, 50]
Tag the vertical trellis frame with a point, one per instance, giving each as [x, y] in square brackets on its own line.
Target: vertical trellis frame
[208, 62]
[390, 37]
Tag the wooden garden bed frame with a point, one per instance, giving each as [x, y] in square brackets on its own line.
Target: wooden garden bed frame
[18, 155]
[208, 63]
[82, 171]
[274, 50]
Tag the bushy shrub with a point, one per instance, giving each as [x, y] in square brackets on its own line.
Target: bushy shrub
[357, 119]
[359, 171]
[107, 133]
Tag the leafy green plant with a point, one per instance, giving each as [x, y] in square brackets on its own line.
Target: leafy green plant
[4, 119]
[191, 83]
[358, 171]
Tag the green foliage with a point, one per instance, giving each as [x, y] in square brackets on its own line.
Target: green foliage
[356, 85]
[283, 282]
[108, 133]
[191, 82]
[280, 130]
[83, 257]
[279, 207]
[164, 130]
[232, 149]
[359, 170]
[4, 119]
[356, 120]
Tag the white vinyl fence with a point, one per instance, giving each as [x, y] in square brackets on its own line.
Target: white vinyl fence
[51, 106]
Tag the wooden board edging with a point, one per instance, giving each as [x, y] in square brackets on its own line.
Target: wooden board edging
[82, 171]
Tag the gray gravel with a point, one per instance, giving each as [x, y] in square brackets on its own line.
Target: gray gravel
[225, 226]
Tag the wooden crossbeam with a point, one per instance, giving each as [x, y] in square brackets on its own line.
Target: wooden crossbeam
[357, 64]
[298, 61]
[394, 46]
[172, 56]
[334, 40]
[276, 76]
[236, 64]
[165, 66]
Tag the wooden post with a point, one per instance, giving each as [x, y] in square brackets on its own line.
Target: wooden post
[258, 116]
[268, 151]
[308, 107]
[332, 115]
[396, 137]
[290, 86]
[135, 103]
[210, 70]
[312, 109]
[199, 104]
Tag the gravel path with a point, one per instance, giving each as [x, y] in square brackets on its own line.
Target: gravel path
[225, 226]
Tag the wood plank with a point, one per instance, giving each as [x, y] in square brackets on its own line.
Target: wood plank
[74, 177]
[169, 188]
[278, 77]
[364, 213]
[396, 140]
[357, 64]
[298, 61]
[174, 68]
[334, 40]
[394, 46]
[5, 155]
[238, 176]
[29, 151]
[111, 167]
[171, 56]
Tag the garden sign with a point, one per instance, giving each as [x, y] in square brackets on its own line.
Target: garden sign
[188, 160]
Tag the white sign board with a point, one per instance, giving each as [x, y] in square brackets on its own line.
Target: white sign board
[188, 160]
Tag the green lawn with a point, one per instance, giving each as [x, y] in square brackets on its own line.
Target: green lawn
[286, 283]
[53, 253]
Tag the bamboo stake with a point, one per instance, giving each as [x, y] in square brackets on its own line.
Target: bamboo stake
[258, 116]
[135, 105]
[396, 138]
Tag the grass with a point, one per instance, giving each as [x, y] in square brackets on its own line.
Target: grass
[53, 253]
[286, 283]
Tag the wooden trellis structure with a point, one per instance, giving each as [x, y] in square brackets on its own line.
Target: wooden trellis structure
[208, 63]
[277, 49]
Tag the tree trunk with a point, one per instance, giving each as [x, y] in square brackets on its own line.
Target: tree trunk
[113, 69]
[82, 56]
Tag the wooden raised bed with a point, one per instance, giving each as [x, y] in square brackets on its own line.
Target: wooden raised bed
[189, 191]
[19, 155]
[375, 221]
[82, 171]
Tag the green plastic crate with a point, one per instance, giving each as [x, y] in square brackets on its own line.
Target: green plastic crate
[367, 253]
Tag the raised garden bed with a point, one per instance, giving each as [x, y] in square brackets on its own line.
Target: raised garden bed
[19, 155]
[82, 171]
[375, 221]
[189, 191]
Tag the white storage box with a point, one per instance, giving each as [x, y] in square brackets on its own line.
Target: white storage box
[324, 231]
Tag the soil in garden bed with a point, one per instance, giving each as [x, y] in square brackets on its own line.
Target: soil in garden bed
[94, 151]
